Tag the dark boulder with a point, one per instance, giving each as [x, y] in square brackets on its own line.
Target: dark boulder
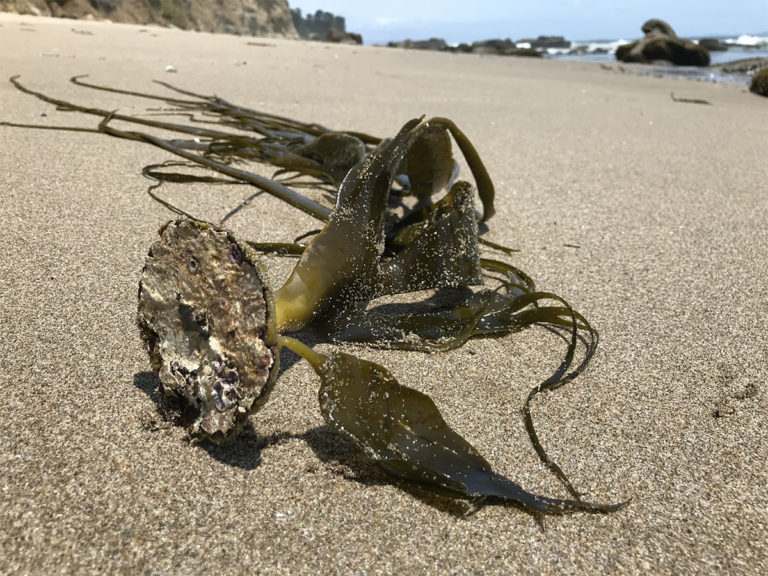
[759, 84]
[661, 43]
[584, 49]
[713, 45]
[493, 46]
[528, 52]
[656, 25]
[677, 51]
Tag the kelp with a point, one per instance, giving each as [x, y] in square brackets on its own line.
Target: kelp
[403, 431]
[385, 234]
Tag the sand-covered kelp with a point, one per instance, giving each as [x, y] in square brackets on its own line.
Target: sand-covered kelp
[395, 220]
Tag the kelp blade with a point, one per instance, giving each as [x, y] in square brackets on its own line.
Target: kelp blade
[485, 313]
[344, 256]
[429, 162]
[440, 251]
[342, 265]
[402, 430]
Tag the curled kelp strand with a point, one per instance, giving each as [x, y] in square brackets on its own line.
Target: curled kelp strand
[509, 308]
[328, 154]
[483, 180]
[160, 176]
[496, 246]
[513, 275]
[78, 80]
[555, 316]
[159, 173]
[70, 107]
[282, 192]
[270, 186]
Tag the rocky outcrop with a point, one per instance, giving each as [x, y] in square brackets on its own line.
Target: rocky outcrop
[495, 46]
[34, 7]
[544, 42]
[661, 43]
[499, 47]
[324, 26]
[245, 17]
[432, 44]
[583, 49]
[316, 26]
[342, 37]
[759, 84]
[749, 66]
[713, 45]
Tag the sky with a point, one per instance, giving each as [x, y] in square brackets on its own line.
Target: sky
[455, 21]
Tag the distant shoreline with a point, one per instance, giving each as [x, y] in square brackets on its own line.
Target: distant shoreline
[728, 66]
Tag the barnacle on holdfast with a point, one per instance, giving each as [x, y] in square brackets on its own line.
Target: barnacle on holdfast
[208, 321]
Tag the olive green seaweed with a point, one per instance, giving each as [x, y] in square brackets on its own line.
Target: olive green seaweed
[402, 430]
[395, 220]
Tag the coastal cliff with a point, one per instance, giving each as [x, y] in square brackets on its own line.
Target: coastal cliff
[243, 17]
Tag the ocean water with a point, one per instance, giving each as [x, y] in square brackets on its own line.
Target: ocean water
[739, 48]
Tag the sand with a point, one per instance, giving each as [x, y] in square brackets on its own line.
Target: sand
[665, 202]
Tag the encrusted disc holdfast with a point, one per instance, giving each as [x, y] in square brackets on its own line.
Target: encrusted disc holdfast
[208, 321]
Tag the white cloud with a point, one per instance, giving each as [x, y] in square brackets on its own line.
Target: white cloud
[384, 21]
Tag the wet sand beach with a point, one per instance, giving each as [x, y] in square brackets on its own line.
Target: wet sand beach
[646, 214]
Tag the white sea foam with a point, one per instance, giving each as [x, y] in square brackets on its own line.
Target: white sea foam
[748, 40]
[599, 47]
[609, 46]
[556, 51]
